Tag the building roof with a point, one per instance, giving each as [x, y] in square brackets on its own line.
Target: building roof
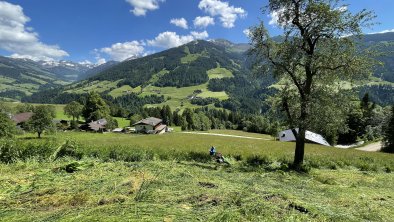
[152, 121]
[287, 136]
[22, 117]
[161, 127]
[97, 125]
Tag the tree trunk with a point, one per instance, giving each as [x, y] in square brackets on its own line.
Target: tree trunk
[299, 151]
[300, 138]
[39, 134]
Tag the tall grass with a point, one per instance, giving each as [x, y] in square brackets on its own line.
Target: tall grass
[187, 147]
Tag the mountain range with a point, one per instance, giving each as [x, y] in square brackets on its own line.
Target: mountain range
[218, 70]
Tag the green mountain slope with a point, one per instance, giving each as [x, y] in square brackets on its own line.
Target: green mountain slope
[198, 73]
[210, 73]
[22, 77]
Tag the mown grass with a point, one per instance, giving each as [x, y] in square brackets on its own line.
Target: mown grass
[188, 191]
[171, 177]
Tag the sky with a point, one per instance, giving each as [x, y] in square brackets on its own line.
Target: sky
[95, 31]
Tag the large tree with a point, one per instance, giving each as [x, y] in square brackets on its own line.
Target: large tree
[95, 108]
[311, 57]
[42, 119]
[73, 109]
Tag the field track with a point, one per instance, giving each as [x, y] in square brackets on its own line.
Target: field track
[226, 135]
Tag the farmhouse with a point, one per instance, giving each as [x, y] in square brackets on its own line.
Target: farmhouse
[98, 125]
[288, 136]
[150, 125]
[22, 118]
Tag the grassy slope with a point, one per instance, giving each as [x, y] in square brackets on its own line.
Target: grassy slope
[178, 96]
[175, 191]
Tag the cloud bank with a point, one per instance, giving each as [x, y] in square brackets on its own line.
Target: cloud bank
[20, 40]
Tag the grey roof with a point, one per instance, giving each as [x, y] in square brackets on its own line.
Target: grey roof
[22, 117]
[149, 121]
[97, 125]
[288, 136]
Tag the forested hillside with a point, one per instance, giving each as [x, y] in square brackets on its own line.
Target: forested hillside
[215, 73]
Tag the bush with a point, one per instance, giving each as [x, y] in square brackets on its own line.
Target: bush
[9, 152]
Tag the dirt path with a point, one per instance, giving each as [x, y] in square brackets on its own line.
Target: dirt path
[226, 135]
[373, 147]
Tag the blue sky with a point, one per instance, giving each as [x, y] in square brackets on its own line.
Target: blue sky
[102, 30]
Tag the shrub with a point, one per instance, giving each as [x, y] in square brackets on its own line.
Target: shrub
[9, 151]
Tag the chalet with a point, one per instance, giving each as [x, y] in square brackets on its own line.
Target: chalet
[150, 125]
[288, 136]
[97, 126]
[21, 118]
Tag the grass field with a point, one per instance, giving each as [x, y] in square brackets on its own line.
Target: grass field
[219, 73]
[169, 188]
[177, 97]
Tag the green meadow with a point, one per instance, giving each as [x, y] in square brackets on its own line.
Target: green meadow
[171, 177]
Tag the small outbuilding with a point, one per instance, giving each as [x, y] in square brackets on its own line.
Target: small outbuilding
[150, 125]
[288, 136]
[118, 130]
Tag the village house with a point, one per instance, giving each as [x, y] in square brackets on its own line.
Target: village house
[150, 125]
[21, 118]
[96, 126]
[288, 136]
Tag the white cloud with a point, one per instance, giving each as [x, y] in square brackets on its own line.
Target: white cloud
[172, 39]
[382, 32]
[247, 32]
[122, 51]
[100, 61]
[200, 35]
[85, 62]
[227, 14]
[203, 22]
[141, 7]
[181, 22]
[20, 40]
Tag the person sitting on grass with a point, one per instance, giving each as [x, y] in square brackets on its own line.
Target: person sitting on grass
[212, 152]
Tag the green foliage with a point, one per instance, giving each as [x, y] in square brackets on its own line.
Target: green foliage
[312, 57]
[95, 108]
[388, 140]
[135, 118]
[8, 151]
[42, 119]
[7, 126]
[74, 110]
[112, 123]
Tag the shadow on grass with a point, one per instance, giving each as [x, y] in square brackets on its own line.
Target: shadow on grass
[32, 138]
[200, 165]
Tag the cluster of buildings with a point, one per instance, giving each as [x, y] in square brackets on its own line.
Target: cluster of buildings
[149, 125]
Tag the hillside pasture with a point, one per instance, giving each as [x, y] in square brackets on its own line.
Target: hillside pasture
[171, 177]
[177, 98]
